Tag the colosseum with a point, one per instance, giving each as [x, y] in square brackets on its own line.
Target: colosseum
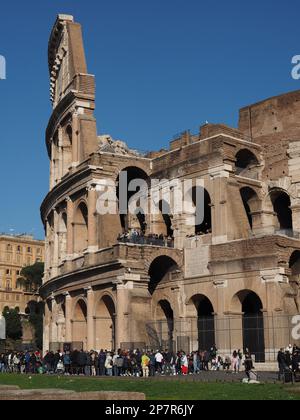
[155, 280]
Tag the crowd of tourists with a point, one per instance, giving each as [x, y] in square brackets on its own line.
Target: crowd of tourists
[122, 363]
[288, 361]
[139, 363]
[139, 238]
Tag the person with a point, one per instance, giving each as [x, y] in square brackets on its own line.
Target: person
[184, 364]
[82, 361]
[152, 364]
[168, 358]
[145, 365]
[109, 364]
[159, 361]
[67, 362]
[234, 362]
[101, 362]
[240, 359]
[282, 364]
[94, 357]
[248, 364]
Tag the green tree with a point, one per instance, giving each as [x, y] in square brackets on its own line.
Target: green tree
[13, 323]
[31, 277]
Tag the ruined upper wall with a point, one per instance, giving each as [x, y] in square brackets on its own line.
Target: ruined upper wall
[274, 124]
[66, 58]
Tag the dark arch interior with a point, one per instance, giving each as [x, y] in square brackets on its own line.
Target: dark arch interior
[206, 225]
[169, 314]
[133, 173]
[159, 269]
[248, 194]
[244, 160]
[206, 322]
[282, 207]
[84, 212]
[109, 303]
[252, 304]
[253, 326]
[294, 263]
[165, 210]
[81, 310]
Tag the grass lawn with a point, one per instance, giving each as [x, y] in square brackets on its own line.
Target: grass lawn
[157, 389]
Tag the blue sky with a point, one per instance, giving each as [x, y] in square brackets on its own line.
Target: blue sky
[162, 66]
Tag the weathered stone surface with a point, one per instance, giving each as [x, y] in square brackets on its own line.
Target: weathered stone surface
[8, 388]
[57, 394]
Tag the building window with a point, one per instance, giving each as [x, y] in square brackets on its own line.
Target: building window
[19, 249]
[29, 250]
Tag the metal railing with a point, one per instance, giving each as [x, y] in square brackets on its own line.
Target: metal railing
[146, 240]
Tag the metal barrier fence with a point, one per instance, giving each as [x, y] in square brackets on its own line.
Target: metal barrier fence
[263, 335]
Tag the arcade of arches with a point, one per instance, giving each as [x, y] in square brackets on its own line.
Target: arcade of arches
[229, 277]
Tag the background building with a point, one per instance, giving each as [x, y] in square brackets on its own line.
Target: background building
[233, 280]
[17, 252]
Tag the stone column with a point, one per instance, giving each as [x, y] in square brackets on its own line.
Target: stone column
[75, 130]
[68, 305]
[296, 217]
[70, 211]
[52, 323]
[92, 219]
[90, 319]
[122, 333]
[46, 331]
[55, 262]
[219, 210]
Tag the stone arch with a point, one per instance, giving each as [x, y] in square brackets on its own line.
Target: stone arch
[246, 163]
[251, 202]
[105, 322]
[138, 220]
[200, 199]
[164, 219]
[279, 201]
[203, 310]
[250, 305]
[294, 263]
[79, 323]
[165, 318]
[175, 255]
[80, 226]
[160, 270]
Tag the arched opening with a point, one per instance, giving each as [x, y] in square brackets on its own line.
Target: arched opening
[81, 228]
[251, 203]
[138, 219]
[205, 322]
[160, 271]
[294, 263]
[67, 148]
[202, 202]
[294, 278]
[62, 243]
[165, 211]
[253, 324]
[282, 208]
[106, 324]
[246, 164]
[80, 325]
[165, 314]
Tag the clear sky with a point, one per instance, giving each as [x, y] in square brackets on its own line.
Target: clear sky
[162, 66]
